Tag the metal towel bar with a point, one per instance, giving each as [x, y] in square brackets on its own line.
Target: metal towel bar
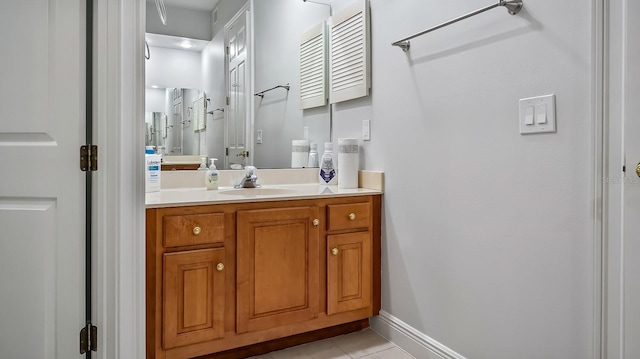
[261, 93]
[217, 109]
[513, 7]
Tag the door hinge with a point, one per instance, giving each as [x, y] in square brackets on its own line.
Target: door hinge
[227, 50]
[226, 153]
[227, 100]
[89, 158]
[89, 339]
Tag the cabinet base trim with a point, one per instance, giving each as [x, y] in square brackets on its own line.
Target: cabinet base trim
[410, 339]
[279, 344]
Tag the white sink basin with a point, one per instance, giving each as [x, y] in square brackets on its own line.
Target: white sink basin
[259, 191]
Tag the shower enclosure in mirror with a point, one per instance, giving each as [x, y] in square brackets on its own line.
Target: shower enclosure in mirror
[189, 54]
[175, 117]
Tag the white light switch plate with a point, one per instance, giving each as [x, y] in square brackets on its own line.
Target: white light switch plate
[538, 114]
[366, 130]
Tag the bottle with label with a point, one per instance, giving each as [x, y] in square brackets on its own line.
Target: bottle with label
[313, 156]
[212, 175]
[152, 170]
[328, 174]
[203, 164]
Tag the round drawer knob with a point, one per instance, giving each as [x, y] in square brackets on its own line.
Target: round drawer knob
[316, 222]
[334, 251]
[220, 267]
[352, 216]
[197, 230]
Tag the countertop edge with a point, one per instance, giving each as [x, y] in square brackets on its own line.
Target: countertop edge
[190, 193]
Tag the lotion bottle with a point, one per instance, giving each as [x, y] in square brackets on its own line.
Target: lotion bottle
[212, 175]
[152, 170]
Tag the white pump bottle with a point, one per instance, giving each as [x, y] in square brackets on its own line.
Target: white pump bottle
[212, 176]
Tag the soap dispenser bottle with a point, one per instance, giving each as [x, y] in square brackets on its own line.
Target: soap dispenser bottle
[203, 164]
[212, 175]
[327, 173]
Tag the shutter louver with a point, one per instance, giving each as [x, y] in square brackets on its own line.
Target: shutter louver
[313, 68]
[200, 115]
[350, 59]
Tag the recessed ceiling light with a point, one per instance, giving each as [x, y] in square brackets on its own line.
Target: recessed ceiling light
[186, 44]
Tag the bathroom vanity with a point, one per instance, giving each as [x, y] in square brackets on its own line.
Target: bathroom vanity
[244, 272]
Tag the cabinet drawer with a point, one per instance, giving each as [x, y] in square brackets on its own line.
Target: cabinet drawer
[187, 230]
[348, 216]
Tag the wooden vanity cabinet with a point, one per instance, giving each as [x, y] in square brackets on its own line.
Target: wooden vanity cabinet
[189, 276]
[277, 267]
[349, 251]
[193, 297]
[231, 276]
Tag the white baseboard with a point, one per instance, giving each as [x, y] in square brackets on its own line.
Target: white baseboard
[410, 339]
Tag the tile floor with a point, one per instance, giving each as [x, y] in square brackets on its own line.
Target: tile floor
[365, 344]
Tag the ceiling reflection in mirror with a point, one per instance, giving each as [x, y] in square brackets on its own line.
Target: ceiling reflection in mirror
[187, 63]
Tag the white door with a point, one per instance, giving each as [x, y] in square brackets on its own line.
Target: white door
[238, 86]
[631, 235]
[41, 186]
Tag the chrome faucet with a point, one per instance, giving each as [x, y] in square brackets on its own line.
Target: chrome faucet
[250, 178]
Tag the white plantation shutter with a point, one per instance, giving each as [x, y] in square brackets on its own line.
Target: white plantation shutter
[199, 114]
[349, 59]
[313, 67]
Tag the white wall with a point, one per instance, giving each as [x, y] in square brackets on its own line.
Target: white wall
[487, 243]
[154, 100]
[193, 24]
[173, 68]
[278, 26]
[214, 86]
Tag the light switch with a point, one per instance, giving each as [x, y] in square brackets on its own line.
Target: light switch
[259, 137]
[528, 115]
[537, 114]
[541, 114]
[366, 130]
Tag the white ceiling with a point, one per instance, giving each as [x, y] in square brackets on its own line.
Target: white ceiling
[206, 5]
[172, 42]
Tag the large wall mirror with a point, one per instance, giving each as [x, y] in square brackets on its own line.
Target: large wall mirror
[189, 80]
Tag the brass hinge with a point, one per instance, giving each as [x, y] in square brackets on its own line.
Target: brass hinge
[89, 339]
[227, 100]
[89, 158]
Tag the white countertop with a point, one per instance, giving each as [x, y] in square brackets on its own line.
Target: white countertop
[189, 196]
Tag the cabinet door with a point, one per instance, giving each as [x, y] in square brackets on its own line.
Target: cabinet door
[348, 272]
[193, 297]
[277, 267]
